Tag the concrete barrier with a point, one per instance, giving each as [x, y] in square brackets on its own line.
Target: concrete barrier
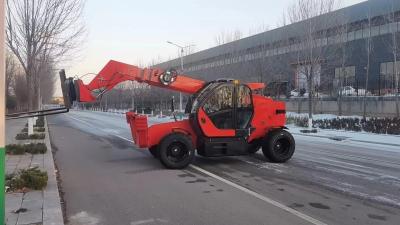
[378, 107]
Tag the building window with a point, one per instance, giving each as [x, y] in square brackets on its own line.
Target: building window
[345, 76]
[350, 36]
[375, 31]
[384, 29]
[393, 27]
[366, 32]
[388, 77]
[302, 72]
[358, 34]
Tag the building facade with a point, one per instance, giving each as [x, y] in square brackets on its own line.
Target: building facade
[355, 47]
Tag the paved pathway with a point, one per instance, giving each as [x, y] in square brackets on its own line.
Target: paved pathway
[42, 207]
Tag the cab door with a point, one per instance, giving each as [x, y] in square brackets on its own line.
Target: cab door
[217, 114]
[244, 110]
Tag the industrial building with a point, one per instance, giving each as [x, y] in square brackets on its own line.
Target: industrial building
[348, 43]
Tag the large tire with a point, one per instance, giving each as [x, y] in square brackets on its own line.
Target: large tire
[154, 151]
[176, 151]
[278, 146]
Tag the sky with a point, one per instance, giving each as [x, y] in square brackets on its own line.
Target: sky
[137, 31]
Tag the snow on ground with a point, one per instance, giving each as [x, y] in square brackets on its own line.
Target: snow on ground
[362, 136]
[365, 137]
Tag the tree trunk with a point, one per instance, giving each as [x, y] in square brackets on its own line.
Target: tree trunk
[310, 97]
[366, 89]
[30, 91]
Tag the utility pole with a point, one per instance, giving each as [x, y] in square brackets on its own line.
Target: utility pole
[2, 115]
[182, 48]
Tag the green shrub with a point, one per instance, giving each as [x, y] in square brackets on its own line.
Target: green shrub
[14, 149]
[34, 178]
[14, 182]
[40, 122]
[24, 136]
[31, 178]
[32, 148]
[36, 129]
[36, 148]
[39, 129]
[21, 136]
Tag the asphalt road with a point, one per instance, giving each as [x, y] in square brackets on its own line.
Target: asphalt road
[107, 180]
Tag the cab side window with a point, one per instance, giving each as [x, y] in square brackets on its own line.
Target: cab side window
[244, 107]
[219, 107]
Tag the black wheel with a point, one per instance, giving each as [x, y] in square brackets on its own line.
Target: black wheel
[278, 146]
[154, 151]
[176, 151]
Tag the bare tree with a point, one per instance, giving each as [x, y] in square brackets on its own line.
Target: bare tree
[40, 30]
[341, 32]
[226, 37]
[21, 93]
[47, 81]
[11, 72]
[369, 49]
[259, 29]
[310, 44]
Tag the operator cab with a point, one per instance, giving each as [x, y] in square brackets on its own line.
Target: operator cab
[221, 114]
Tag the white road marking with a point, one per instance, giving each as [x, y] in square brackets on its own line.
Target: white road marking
[126, 139]
[248, 191]
[79, 120]
[140, 222]
[261, 197]
[82, 218]
[254, 194]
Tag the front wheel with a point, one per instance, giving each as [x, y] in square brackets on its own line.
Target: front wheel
[176, 151]
[278, 146]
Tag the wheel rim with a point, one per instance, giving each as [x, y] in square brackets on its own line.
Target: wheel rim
[177, 152]
[282, 147]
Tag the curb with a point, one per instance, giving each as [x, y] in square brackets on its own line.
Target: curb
[52, 211]
[350, 139]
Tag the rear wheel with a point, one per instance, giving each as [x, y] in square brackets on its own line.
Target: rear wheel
[154, 151]
[278, 146]
[176, 151]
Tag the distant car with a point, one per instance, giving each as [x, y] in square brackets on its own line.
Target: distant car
[304, 94]
[298, 93]
[350, 91]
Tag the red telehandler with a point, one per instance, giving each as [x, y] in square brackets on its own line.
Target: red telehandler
[226, 117]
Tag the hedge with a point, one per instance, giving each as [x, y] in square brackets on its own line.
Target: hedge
[373, 125]
[32, 178]
[24, 136]
[32, 148]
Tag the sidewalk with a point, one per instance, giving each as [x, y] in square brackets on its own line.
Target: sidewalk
[33, 207]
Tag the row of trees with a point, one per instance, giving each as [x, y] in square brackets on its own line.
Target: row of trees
[40, 34]
[17, 92]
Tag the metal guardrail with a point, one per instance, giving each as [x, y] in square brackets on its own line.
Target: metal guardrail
[44, 112]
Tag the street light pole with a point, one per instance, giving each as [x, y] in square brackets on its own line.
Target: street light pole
[181, 57]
